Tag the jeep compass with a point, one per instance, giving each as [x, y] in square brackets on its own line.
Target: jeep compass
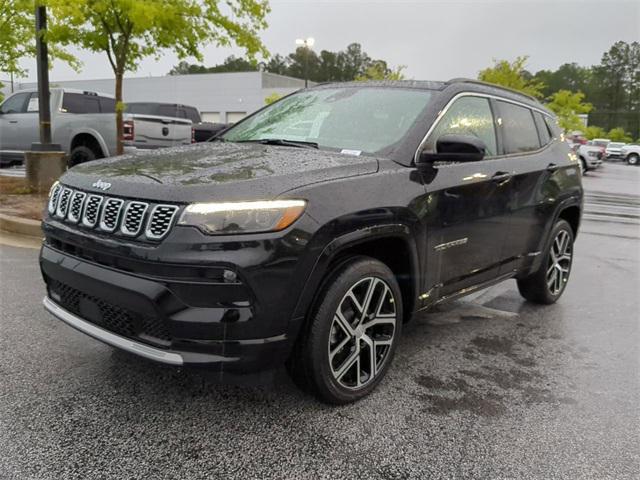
[311, 231]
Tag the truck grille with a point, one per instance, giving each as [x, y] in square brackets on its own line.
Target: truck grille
[109, 316]
[112, 215]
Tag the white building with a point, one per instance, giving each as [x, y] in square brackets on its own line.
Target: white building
[220, 97]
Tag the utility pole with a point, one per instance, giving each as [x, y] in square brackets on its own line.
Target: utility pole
[46, 161]
[306, 43]
[44, 95]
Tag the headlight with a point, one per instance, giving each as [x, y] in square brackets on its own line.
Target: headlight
[242, 217]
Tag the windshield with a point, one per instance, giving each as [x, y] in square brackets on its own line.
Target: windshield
[355, 119]
[615, 145]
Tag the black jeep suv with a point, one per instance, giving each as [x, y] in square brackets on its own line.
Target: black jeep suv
[309, 232]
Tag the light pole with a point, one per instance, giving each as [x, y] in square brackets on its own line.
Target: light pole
[306, 43]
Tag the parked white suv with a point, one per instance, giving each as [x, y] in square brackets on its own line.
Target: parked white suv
[84, 124]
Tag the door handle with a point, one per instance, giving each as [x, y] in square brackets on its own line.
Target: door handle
[501, 177]
[552, 167]
[13, 121]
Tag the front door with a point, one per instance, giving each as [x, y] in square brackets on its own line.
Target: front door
[468, 204]
[11, 111]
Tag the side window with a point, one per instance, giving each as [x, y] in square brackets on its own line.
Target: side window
[15, 103]
[107, 105]
[168, 111]
[192, 114]
[467, 116]
[553, 126]
[33, 104]
[79, 103]
[543, 129]
[519, 133]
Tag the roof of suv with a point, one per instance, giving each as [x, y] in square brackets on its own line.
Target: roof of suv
[465, 84]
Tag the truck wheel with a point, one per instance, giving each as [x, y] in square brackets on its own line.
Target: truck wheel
[348, 345]
[633, 159]
[547, 284]
[81, 154]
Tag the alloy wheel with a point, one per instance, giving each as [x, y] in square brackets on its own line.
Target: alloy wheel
[559, 262]
[362, 333]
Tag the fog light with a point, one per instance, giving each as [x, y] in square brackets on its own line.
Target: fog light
[229, 276]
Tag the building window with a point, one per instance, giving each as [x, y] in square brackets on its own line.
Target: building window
[213, 117]
[233, 117]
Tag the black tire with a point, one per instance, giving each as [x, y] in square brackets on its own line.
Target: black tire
[311, 364]
[81, 154]
[633, 159]
[535, 288]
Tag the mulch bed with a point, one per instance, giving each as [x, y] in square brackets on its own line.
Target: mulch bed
[16, 199]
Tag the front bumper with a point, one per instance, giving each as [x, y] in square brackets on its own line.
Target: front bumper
[155, 318]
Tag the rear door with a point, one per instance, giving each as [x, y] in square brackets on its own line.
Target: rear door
[525, 142]
[468, 203]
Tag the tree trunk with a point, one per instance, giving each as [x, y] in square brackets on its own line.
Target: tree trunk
[119, 105]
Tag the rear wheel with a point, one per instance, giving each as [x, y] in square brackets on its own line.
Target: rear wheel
[548, 283]
[349, 344]
[633, 159]
[583, 165]
[81, 154]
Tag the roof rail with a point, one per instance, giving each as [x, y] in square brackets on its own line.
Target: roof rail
[487, 84]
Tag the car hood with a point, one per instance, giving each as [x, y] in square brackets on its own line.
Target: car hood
[215, 171]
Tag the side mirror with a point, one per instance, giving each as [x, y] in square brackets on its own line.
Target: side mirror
[455, 148]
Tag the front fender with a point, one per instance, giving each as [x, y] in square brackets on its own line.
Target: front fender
[333, 249]
[95, 134]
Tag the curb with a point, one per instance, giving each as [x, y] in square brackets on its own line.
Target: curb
[21, 226]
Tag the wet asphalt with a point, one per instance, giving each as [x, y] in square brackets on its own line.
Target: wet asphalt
[486, 387]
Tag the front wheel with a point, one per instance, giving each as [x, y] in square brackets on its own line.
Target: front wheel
[548, 283]
[348, 346]
[633, 159]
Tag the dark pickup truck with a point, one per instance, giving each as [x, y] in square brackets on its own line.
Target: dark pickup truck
[202, 131]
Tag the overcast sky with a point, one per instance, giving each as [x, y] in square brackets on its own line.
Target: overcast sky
[436, 40]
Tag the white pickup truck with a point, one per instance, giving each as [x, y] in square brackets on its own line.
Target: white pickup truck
[631, 154]
[84, 124]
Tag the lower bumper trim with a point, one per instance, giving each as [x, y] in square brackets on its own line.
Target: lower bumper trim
[112, 339]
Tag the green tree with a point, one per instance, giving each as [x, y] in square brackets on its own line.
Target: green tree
[512, 75]
[593, 131]
[378, 70]
[274, 97]
[18, 40]
[567, 105]
[277, 64]
[128, 31]
[619, 135]
[569, 76]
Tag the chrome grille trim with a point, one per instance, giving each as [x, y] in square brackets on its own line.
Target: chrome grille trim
[63, 203]
[160, 221]
[111, 214]
[133, 218]
[75, 208]
[54, 196]
[92, 210]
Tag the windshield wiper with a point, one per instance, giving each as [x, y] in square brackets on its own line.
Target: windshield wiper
[282, 142]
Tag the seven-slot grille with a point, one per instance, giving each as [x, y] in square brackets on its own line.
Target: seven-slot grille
[54, 196]
[91, 211]
[161, 218]
[75, 210]
[110, 214]
[133, 218]
[63, 202]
